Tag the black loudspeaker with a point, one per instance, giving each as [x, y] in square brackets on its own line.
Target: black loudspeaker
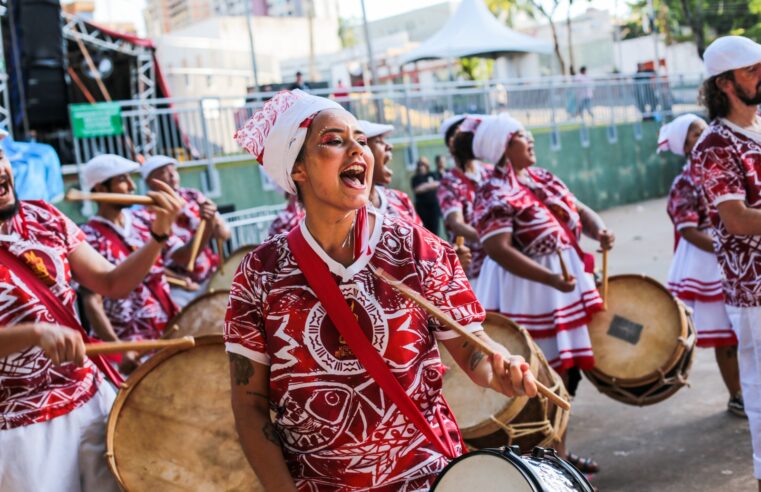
[43, 61]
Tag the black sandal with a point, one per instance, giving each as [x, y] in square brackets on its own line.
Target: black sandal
[585, 465]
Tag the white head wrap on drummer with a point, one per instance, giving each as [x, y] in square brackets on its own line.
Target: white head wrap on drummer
[673, 134]
[276, 132]
[492, 135]
[447, 123]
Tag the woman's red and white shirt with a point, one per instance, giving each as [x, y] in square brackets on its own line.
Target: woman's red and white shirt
[727, 163]
[32, 389]
[503, 205]
[339, 430]
[686, 205]
[143, 314]
[396, 203]
[288, 218]
[457, 193]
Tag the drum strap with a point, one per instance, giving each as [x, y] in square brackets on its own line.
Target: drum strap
[154, 285]
[325, 288]
[588, 259]
[57, 310]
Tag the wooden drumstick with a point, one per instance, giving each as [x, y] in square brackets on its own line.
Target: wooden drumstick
[176, 281]
[459, 241]
[196, 247]
[137, 346]
[74, 195]
[221, 250]
[451, 323]
[605, 279]
[563, 267]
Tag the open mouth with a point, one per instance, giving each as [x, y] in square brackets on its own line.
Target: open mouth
[354, 175]
[5, 186]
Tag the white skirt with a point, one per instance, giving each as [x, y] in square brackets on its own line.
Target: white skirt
[557, 321]
[695, 279]
[64, 454]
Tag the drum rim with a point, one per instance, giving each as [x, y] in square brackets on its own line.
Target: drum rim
[172, 322]
[505, 453]
[247, 248]
[676, 356]
[131, 383]
[487, 427]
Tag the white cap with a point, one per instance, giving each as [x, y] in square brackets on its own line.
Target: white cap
[447, 123]
[374, 129]
[104, 167]
[730, 53]
[156, 162]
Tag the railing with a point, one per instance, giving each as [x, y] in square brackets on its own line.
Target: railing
[201, 130]
[250, 226]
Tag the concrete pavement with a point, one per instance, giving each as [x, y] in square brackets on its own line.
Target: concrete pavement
[688, 442]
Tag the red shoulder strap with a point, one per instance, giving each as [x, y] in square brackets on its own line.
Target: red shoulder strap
[327, 292]
[155, 286]
[61, 315]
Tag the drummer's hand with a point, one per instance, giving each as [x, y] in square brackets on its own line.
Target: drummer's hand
[511, 376]
[130, 361]
[464, 255]
[168, 205]
[60, 344]
[606, 238]
[191, 286]
[208, 210]
[558, 282]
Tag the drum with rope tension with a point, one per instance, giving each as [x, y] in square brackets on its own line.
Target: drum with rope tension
[172, 428]
[505, 470]
[643, 344]
[489, 419]
[222, 279]
[205, 315]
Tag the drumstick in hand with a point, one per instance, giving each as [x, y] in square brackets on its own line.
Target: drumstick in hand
[74, 195]
[459, 241]
[563, 268]
[138, 346]
[605, 279]
[451, 323]
[221, 251]
[196, 247]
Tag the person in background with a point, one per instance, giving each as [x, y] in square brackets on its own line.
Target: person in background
[424, 185]
[441, 165]
[585, 92]
[299, 83]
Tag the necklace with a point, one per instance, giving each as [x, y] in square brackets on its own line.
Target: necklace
[349, 239]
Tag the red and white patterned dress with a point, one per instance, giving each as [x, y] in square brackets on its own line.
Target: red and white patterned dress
[288, 218]
[339, 430]
[556, 320]
[457, 193]
[396, 203]
[143, 314]
[694, 276]
[32, 390]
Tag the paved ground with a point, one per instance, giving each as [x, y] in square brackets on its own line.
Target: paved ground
[685, 443]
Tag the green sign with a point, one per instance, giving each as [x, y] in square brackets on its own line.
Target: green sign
[96, 120]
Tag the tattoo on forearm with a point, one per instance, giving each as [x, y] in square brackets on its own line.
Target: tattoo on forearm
[271, 434]
[475, 358]
[243, 369]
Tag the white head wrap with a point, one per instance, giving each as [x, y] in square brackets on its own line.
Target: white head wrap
[673, 134]
[492, 135]
[276, 132]
[447, 124]
[729, 53]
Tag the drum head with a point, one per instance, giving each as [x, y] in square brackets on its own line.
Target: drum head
[223, 280]
[172, 427]
[205, 315]
[473, 405]
[639, 333]
[483, 472]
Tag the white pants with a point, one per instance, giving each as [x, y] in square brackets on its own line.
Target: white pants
[65, 454]
[746, 322]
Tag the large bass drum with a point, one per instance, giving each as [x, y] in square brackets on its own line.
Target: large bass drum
[172, 429]
[489, 419]
[222, 279]
[643, 343]
[204, 315]
[505, 470]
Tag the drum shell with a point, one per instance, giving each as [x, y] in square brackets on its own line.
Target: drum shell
[204, 315]
[521, 421]
[222, 279]
[664, 381]
[171, 427]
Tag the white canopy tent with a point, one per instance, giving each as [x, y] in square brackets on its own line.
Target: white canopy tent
[473, 31]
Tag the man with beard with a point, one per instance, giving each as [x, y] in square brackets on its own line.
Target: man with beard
[114, 232]
[726, 163]
[53, 401]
